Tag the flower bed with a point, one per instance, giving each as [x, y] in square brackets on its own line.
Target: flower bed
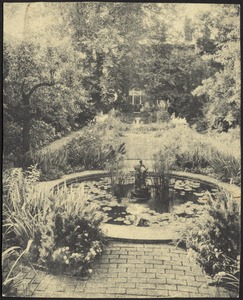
[59, 230]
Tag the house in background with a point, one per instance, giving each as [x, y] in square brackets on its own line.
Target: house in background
[137, 99]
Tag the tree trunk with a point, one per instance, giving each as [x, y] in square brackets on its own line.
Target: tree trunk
[26, 131]
[27, 161]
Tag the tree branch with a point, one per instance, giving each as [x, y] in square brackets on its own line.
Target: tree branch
[22, 88]
[39, 85]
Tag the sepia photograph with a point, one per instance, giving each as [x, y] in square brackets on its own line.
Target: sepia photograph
[121, 157]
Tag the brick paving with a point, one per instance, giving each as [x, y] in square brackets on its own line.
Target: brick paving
[128, 270]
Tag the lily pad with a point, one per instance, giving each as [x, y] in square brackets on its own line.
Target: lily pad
[127, 222]
[198, 194]
[202, 200]
[162, 219]
[195, 184]
[120, 219]
[188, 189]
[106, 208]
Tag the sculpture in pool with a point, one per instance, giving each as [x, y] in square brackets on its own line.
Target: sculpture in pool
[140, 190]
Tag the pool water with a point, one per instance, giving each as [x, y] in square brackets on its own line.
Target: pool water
[187, 200]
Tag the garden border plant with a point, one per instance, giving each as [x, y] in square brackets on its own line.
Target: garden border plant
[206, 154]
[63, 227]
[93, 148]
[214, 240]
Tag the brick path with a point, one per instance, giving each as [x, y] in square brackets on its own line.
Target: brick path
[129, 270]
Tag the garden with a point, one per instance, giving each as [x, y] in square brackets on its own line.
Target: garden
[67, 112]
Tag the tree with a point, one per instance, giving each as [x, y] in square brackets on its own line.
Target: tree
[42, 92]
[223, 87]
[107, 35]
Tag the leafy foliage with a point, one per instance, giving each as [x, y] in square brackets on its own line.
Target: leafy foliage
[206, 153]
[51, 221]
[173, 73]
[89, 55]
[93, 148]
[35, 103]
[162, 168]
[11, 261]
[215, 238]
[78, 243]
[227, 166]
[223, 86]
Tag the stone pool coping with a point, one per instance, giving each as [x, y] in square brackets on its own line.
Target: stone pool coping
[138, 234]
[134, 233]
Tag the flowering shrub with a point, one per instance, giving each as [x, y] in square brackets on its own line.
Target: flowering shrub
[77, 245]
[214, 239]
[63, 225]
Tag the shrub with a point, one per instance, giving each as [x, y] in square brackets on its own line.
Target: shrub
[52, 163]
[215, 237]
[91, 149]
[41, 134]
[12, 143]
[189, 150]
[94, 147]
[113, 122]
[51, 220]
[226, 166]
[76, 247]
[158, 127]
[203, 153]
[162, 116]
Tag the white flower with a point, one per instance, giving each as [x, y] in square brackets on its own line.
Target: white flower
[92, 251]
[220, 274]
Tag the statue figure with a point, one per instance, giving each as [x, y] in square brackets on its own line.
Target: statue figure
[140, 188]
